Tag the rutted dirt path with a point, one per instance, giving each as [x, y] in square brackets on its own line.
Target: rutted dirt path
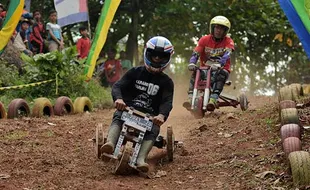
[225, 150]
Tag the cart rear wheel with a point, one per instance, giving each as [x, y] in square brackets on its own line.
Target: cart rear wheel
[170, 143]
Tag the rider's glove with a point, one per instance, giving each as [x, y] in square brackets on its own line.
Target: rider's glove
[194, 58]
[224, 58]
[191, 67]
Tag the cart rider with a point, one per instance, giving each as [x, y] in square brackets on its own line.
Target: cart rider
[148, 89]
[216, 46]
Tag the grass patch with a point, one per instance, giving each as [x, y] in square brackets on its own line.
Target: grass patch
[16, 135]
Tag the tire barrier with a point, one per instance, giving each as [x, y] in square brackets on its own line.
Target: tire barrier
[291, 99]
[18, 108]
[42, 107]
[82, 104]
[63, 106]
[3, 113]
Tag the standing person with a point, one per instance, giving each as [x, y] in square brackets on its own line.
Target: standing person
[126, 63]
[216, 47]
[112, 67]
[38, 34]
[55, 39]
[147, 89]
[83, 44]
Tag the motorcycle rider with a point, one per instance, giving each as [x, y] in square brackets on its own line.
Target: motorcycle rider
[216, 47]
[147, 89]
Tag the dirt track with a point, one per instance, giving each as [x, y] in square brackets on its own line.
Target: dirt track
[225, 150]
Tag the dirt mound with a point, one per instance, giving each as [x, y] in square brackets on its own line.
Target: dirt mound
[225, 150]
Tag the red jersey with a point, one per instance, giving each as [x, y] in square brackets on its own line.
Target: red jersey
[83, 46]
[207, 45]
[112, 69]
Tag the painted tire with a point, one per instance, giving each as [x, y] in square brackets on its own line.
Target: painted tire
[122, 166]
[297, 91]
[42, 107]
[290, 130]
[285, 93]
[300, 167]
[291, 144]
[170, 143]
[18, 108]
[82, 104]
[287, 104]
[289, 116]
[3, 113]
[99, 140]
[306, 89]
[63, 106]
[243, 102]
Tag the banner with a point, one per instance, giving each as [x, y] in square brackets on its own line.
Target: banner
[105, 20]
[71, 11]
[297, 14]
[27, 5]
[11, 20]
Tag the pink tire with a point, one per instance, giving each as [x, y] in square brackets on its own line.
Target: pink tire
[290, 130]
[291, 144]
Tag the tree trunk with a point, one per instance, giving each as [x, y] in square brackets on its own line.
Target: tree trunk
[132, 43]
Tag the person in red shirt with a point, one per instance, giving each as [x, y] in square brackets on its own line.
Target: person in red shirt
[112, 68]
[83, 44]
[215, 47]
[38, 34]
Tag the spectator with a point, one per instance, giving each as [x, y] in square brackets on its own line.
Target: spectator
[38, 34]
[83, 44]
[55, 39]
[25, 32]
[126, 63]
[112, 67]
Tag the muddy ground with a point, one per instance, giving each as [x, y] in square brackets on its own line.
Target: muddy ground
[228, 149]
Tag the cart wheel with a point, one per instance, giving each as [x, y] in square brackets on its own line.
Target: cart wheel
[300, 167]
[287, 104]
[122, 165]
[291, 144]
[99, 141]
[170, 143]
[18, 108]
[42, 107]
[82, 104]
[290, 130]
[285, 93]
[199, 112]
[63, 106]
[289, 116]
[243, 102]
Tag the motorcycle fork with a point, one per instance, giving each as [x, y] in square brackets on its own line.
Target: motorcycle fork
[206, 95]
[197, 78]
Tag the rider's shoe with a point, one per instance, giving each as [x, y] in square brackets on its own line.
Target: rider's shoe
[144, 151]
[212, 104]
[113, 135]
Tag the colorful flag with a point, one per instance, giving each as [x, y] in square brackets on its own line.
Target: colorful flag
[297, 14]
[11, 20]
[105, 20]
[71, 11]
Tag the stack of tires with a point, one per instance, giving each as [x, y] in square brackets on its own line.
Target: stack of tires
[43, 107]
[291, 134]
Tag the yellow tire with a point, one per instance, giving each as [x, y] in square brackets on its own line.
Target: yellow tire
[82, 104]
[42, 107]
